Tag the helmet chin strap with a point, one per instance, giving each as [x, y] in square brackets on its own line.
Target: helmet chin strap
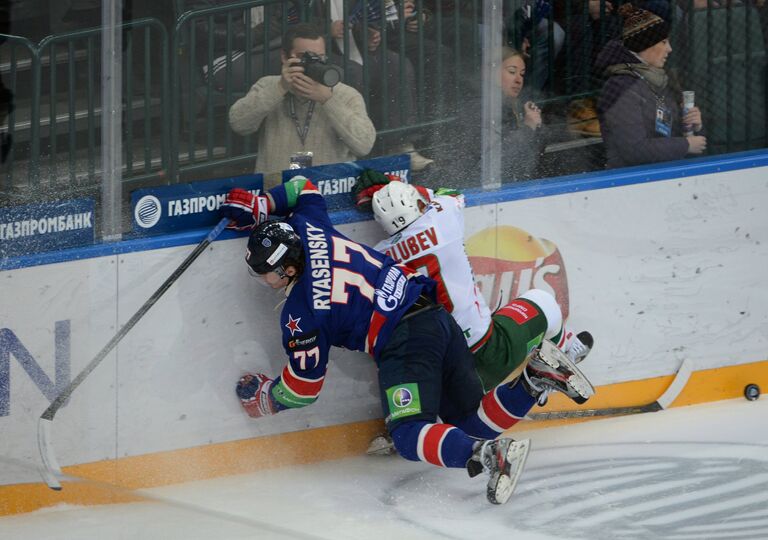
[289, 287]
[280, 271]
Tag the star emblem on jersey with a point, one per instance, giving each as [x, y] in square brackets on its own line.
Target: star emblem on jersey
[293, 324]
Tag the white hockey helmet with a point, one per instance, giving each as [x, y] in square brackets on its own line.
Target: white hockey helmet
[396, 205]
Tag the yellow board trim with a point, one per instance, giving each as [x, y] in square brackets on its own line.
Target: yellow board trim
[322, 444]
[188, 464]
[704, 386]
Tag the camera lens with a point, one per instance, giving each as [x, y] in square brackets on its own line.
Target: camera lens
[327, 74]
[331, 75]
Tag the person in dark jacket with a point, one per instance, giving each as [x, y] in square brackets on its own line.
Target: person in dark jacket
[522, 130]
[640, 113]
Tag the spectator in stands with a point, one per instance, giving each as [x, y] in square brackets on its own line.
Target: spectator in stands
[588, 25]
[294, 113]
[433, 61]
[639, 111]
[267, 24]
[392, 80]
[522, 132]
[230, 31]
[420, 46]
[522, 140]
[459, 27]
[530, 29]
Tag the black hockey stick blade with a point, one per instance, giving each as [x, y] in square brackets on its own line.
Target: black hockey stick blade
[51, 468]
[664, 401]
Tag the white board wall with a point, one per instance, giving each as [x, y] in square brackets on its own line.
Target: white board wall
[657, 271]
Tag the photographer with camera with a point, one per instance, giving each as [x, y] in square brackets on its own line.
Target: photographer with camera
[304, 109]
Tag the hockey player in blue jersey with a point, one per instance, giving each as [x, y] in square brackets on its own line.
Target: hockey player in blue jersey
[342, 293]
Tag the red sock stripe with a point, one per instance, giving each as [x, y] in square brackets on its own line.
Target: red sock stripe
[432, 442]
[496, 412]
[306, 388]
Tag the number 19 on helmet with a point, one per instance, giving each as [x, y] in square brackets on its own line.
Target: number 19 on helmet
[396, 205]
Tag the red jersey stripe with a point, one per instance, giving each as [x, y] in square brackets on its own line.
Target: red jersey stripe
[306, 388]
[377, 321]
[483, 340]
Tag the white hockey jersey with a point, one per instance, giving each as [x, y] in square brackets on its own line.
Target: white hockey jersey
[434, 246]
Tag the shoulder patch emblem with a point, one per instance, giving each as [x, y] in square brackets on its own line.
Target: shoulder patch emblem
[293, 324]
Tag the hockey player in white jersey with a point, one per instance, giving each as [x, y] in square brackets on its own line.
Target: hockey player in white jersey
[427, 234]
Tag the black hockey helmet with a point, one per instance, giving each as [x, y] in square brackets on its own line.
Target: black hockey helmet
[272, 246]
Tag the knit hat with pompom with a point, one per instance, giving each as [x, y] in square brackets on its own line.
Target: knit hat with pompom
[642, 29]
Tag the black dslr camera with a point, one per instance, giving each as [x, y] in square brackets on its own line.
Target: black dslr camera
[316, 67]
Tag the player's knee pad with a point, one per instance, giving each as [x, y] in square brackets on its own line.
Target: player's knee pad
[549, 307]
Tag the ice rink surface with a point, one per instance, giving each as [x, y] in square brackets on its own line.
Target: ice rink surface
[697, 472]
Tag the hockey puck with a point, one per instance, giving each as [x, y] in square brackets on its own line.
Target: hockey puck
[751, 392]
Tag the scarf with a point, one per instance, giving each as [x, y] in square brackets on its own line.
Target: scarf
[656, 78]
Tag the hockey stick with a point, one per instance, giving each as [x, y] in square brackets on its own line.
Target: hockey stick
[382, 444]
[50, 464]
[664, 401]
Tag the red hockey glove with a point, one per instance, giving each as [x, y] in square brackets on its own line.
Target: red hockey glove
[253, 391]
[244, 209]
[363, 198]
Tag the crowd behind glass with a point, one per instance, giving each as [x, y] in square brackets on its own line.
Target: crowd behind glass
[585, 84]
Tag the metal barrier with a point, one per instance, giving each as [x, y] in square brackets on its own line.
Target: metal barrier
[177, 99]
[193, 83]
[63, 85]
[21, 55]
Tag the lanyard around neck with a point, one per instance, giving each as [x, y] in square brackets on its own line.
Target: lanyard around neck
[302, 131]
[660, 99]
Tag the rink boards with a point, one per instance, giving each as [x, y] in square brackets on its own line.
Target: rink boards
[660, 264]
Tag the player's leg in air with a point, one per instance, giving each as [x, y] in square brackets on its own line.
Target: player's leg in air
[547, 369]
[520, 327]
[517, 345]
[425, 352]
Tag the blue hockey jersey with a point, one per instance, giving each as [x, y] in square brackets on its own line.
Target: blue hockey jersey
[348, 295]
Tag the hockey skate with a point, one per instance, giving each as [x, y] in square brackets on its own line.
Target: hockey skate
[381, 445]
[503, 460]
[580, 347]
[552, 369]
